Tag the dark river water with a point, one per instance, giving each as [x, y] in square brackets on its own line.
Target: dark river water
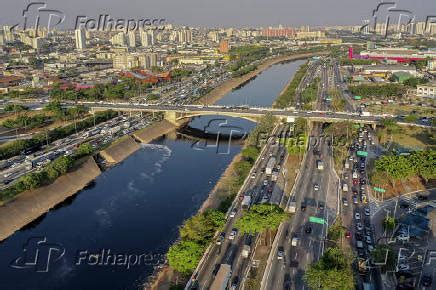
[112, 234]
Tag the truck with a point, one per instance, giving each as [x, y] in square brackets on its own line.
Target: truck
[221, 280]
[246, 202]
[359, 245]
[270, 165]
[245, 251]
[320, 165]
[295, 241]
[344, 187]
[347, 165]
[365, 114]
[292, 207]
[274, 176]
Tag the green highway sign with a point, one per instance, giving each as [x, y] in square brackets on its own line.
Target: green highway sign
[362, 153]
[379, 189]
[316, 220]
[357, 97]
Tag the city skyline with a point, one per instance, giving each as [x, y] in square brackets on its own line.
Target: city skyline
[224, 13]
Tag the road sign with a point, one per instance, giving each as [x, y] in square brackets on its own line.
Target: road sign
[379, 189]
[316, 220]
[362, 153]
[357, 97]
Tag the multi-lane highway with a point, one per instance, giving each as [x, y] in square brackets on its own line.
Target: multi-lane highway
[228, 249]
[316, 196]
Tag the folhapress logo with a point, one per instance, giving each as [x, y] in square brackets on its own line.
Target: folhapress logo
[37, 15]
[38, 255]
[387, 16]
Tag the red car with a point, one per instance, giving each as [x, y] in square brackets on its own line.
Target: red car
[355, 181]
[348, 235]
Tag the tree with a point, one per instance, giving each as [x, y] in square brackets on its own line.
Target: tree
[389, 223]
[259, 218]
[250, 153]
[184, 256]
[336, 231]
[385, 256]
[201, 227]
[84, 149]
[332, 271]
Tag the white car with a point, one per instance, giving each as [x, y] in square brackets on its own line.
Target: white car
[357, 216]
[253, 175]
[232, 213]
[232, 234]
[316, 187]
[265, 182]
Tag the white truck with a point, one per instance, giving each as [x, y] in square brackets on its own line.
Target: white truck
[295, 241]
[245, 251]
[274, 176]
[270, 165]
[292, 207]
[365, 114]
[246, 202]
[320, 165]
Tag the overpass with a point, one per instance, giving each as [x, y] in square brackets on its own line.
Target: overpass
[176, 113]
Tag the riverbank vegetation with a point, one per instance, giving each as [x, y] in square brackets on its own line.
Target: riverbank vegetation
[17, 147]
[287, 98]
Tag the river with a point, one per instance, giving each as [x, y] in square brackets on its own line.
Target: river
[113, 233]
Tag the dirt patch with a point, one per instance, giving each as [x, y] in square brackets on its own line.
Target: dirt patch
[120, 150]
[29, 205]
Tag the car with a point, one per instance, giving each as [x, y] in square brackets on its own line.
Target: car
[303, 207]
[422, 197]
[221, 238]
[280, 253]
[264, 199]
[403, 267]
[316, 186]
[404, 205]
[403, 237]
[253, 175]
[368, 240]
[308, 229]
[367, 211]
[348, 234]
[344, 201]
[359, 226]
[358, 236]
[357, 216]
[370, 248]
[233, 213]
[362, 181]
[355, 181]
[426, 280]
[320, 205]
[233, 234]
[355, 201]
[265, 182]
[235, 283]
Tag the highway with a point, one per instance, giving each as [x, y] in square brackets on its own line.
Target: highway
[287, 273]
[261, 188]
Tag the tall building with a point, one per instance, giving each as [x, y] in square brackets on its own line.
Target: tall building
[214, 36]
[147, 38]
[119, 39]
[185, 36]
[80, 39]
[8, 34]
[131, 39]
[2, 38]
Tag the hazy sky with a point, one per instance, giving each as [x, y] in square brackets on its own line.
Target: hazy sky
[223, 13]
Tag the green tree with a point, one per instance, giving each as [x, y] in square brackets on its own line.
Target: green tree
[332, 271]
[385, 256]
[336, 231]
[389, 223]
[184, 256]
[259, 218]
[250, 153]
[201, 227]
